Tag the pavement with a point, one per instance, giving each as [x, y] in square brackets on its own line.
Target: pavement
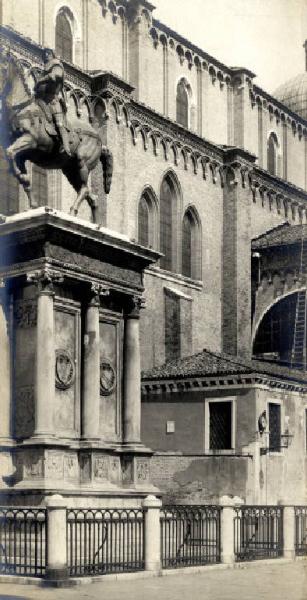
[260, 581]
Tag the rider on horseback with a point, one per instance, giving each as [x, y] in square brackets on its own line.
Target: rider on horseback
[49, 92]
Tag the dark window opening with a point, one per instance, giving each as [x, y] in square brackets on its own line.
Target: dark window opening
[187, 232]
[166, 225]
[63, 38]
[220, 421]
[172, 326]
[272, 154]
[274, 338]
[143, 222]
[182, 105]
[274, 427]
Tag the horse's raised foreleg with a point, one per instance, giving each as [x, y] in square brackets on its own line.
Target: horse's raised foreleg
[14, 154]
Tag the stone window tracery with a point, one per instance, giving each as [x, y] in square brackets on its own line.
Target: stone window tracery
[182, 105]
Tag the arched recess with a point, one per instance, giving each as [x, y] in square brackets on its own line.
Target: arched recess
[274, 332]
[185, 107]
[191, 244]
[147, 219]
[273, 147]
[67, 35]
[170, 203]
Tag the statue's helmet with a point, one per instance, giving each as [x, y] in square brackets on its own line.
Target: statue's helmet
[48, 54]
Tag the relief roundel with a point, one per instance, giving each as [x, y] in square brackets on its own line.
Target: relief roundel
[64, 369]
[107, 378]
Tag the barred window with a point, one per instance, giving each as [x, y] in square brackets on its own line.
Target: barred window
[167, 229]
[274, 426]
[40, 185]
[63, 37]
[272, 154]
[182, 105]
[220, 421]
[9, 188]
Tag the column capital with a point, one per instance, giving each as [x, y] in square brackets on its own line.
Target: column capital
[98, 291]
[134, 305]
[44, 280]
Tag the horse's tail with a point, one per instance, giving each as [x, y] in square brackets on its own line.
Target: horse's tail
[106, 159]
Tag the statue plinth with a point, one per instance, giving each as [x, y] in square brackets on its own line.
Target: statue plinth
[71, 299]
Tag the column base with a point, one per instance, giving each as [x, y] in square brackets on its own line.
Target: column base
[59, 574]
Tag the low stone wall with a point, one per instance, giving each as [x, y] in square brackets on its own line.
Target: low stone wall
[200, 479]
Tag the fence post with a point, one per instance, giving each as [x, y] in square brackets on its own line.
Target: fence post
[56, 567]
[227, 534]
[289, 531]
[152, 507]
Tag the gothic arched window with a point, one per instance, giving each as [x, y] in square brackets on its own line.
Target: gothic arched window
[182, 105]
[147, 226]
[272, 154]
[63, 37]
[40, 185]
[191, 239]
[143, 221]
[168, 224]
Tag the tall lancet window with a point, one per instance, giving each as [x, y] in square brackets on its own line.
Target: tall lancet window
[167, 225]
[182, 105]
[63, 37]
[272, 162]
[191, 245]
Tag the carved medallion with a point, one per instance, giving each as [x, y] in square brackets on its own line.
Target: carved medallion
[64, 370]
[107, 378]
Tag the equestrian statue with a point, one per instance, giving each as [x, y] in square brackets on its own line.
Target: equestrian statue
[35, 128]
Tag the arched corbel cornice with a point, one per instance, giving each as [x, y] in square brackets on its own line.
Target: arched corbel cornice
[180, 53]
[189, 59]
[204, 161]
[155, 38]
[212, 73]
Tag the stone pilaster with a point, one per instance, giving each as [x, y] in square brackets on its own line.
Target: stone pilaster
[132, 374]
[45, 352]
[5, 355]
[236, 296]
[91, 366]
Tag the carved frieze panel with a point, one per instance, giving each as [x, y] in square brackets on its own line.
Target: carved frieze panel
[71, 467]
[114, 473]
[142, 470]
[54, 465]
[85, 467]
[33, 465]
[127, 469]
[101, 468]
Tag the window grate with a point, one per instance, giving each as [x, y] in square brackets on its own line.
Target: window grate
[220, 425]
[274, 427]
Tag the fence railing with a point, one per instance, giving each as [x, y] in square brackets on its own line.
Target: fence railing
[258, 532]
[190, 535]
[104, 541]
[23, 539]
[300, 530]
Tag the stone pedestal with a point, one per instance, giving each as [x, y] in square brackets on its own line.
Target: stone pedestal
[76, 401]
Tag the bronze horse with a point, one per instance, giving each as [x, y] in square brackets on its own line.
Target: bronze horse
[26, 136]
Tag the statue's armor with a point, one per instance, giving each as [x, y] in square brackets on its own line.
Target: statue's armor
[51, 90]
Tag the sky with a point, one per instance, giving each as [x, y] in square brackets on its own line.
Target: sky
[265, 36]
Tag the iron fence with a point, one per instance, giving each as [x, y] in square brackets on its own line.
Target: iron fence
[300, 530]
[258, 532]
[23, 541]
[190, 535]
[101, 541]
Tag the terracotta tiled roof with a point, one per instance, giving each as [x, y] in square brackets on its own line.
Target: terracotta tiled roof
[212, 364]
[280, 236]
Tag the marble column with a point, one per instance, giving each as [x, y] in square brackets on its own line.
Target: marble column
[45, 352]
[91, 366]
[132, 375]
[5, 380]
